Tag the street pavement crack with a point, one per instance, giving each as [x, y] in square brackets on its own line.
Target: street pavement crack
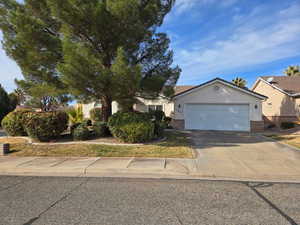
[32, 220]
[253, 187]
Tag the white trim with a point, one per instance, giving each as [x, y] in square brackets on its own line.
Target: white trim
[277, 88]
[222, 82]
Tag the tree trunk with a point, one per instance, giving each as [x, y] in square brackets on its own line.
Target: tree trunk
[106, 108]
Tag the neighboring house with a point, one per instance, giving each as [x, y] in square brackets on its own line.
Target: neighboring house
[283, 92]
[214, 105]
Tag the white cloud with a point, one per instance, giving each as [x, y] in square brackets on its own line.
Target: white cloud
[185, 5]
[257, 39]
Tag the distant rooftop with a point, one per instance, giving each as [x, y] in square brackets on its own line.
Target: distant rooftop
[288, 84]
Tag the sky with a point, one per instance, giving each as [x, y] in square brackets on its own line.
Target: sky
[221, 38]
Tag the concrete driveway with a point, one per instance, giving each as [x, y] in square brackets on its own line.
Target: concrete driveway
[244, 155]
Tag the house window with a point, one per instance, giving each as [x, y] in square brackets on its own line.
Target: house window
[97, 104]
[155, 108]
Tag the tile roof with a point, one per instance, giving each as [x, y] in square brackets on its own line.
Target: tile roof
[288, 84]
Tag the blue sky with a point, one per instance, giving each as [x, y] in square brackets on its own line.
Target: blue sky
[222, 38]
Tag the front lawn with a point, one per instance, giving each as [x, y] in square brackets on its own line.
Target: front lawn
[177, 145]
[293, 140]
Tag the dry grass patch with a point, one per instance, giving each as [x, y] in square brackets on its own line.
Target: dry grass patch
[176, 145]
[12, 140]
[293, 140]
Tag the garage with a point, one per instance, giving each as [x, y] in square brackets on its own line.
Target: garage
[218, 105]
[230, 117]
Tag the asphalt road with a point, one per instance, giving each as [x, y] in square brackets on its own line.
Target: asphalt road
[105, 201]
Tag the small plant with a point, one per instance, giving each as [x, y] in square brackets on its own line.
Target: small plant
[75, 114]
[96, 114]
[13, 123]
[81, 133]
[100, 129]
[45, 125]
[287, 125]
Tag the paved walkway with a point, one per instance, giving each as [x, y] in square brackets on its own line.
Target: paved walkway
[232, 156]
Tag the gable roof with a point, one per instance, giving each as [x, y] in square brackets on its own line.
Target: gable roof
[245, 90]
[285, 84]
[182, 88]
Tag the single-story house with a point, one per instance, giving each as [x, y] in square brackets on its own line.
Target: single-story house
[283, 103]
[214, 105]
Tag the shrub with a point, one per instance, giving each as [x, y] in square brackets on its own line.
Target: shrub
[96, 114]
[287, 125]
[81, 133]
[123, 118]
[13, 123]
[75, 114]
[87, 122]
[159, 128]
[136, 132]
[158, 115]
[167, 121]
[46, 125]
[100, 129]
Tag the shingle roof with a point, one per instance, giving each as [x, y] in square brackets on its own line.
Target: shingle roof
[182, 88]
[288, 84]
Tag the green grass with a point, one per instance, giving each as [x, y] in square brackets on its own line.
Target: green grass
[177, 145]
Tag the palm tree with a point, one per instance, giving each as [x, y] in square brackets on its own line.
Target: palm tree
[240, 82]
[292, 71]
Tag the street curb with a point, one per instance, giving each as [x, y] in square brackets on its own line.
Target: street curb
[156, 177]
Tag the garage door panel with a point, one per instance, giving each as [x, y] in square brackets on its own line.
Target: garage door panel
[217, 117]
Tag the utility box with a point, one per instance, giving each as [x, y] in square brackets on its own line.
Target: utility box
[4, 149]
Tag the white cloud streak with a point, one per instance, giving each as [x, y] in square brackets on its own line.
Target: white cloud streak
[256, 39]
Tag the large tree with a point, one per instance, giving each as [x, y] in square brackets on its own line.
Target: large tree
[92, 47]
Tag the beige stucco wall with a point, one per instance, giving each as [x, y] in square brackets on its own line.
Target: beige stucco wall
[87, 107]
[223, 95]
[278, 103]
[168, 106]
[142, 106]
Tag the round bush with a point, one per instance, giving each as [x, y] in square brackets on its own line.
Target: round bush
[100, 129]
[123, 118]
[13, 123]
[81, 133]
[136, 132]
[96, 114]
[46, 125]
[159, 128]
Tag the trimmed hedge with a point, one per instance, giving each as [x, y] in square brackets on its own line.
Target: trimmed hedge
[136, 132]
[96, 114]
[46, 125]
[123, 118]
[100, 129]
[13, 123]
[81, 133]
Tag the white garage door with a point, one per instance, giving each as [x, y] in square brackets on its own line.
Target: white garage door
[229, 117]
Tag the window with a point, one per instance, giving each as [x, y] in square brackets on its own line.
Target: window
[155, 108]
[97, 104]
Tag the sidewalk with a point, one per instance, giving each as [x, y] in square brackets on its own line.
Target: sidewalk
[130, 168]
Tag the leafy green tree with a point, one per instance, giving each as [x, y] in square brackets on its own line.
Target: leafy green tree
[4, 103]
[30, 37]
[292, 71]
[13, 101]
[240, 82]
[75, 44]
